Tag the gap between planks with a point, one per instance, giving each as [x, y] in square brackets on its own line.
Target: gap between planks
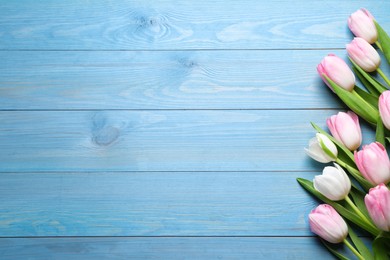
[163, 171]
[171, 109]
[174, 50]
[71, 237]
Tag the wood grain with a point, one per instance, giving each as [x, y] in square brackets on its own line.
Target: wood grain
[164, 80]
[151, 25]
[165, 248]
[154, 204]
[258, 140]
[163, 129]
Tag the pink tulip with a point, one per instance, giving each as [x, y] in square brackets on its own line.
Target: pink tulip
[378, 205]
[346, 129]
[361, 23]
[384, 108]
[337, 70]
[328, 224]
[373, 162]
[363, 54]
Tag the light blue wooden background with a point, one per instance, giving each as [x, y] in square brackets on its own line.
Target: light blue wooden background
[163, 129]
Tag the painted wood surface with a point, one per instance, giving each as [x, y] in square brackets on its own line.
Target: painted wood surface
[160, 25]
[163, 80]
[255, 140]
[164, 248]
[154, 204]
[163, 129]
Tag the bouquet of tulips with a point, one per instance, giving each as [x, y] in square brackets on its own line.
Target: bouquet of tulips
[356, 189]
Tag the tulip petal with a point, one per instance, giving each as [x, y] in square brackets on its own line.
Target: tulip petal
[333, 183]
[328, 224]
[363, 54]
[361, 23]
[315, 154]
[345, 129]
[378, 205]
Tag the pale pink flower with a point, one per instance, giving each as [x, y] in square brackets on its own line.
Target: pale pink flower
[345, 128]
[363, 54]
[361, 23]
[328, 224]
[384, 108]
[338, 71]
[373, 162]
[378, 205]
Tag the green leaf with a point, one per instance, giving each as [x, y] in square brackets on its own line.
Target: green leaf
[381, 247]
[351, 216]
[366, 185]
[388, 139]
[375, 83]
[366, 83]
[356, 103]
[361, 247]
[384, 40]
[346, 153]
[327, 150]
[371, 99]
[358, 199]
[333, 251]
[380, 132]
[308, 185]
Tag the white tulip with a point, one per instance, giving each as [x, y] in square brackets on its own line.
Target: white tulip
[322, 149]
[333, 183]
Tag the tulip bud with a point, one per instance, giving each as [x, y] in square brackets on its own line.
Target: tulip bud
[378, 205]
[384, 108]
[373, 162]
[361, 23]
[328, 224]
[333, 183]
[338, 71]
[322, 149]
[363, 54]
[346, 129]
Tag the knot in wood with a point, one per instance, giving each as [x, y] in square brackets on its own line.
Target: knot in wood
[106, 136]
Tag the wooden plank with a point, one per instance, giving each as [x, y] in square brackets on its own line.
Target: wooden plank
[154, 204]
[167, 80]
[164, 248]
[258, 140]
[248, 24]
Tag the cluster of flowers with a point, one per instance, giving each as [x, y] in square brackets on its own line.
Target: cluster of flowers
[366, 200]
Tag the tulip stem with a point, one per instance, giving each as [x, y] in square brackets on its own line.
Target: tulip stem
[379, 45]
[350, 168]
[358, 212]
[344, 164]
[350, 203]
[353, 249]
[383, 76]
